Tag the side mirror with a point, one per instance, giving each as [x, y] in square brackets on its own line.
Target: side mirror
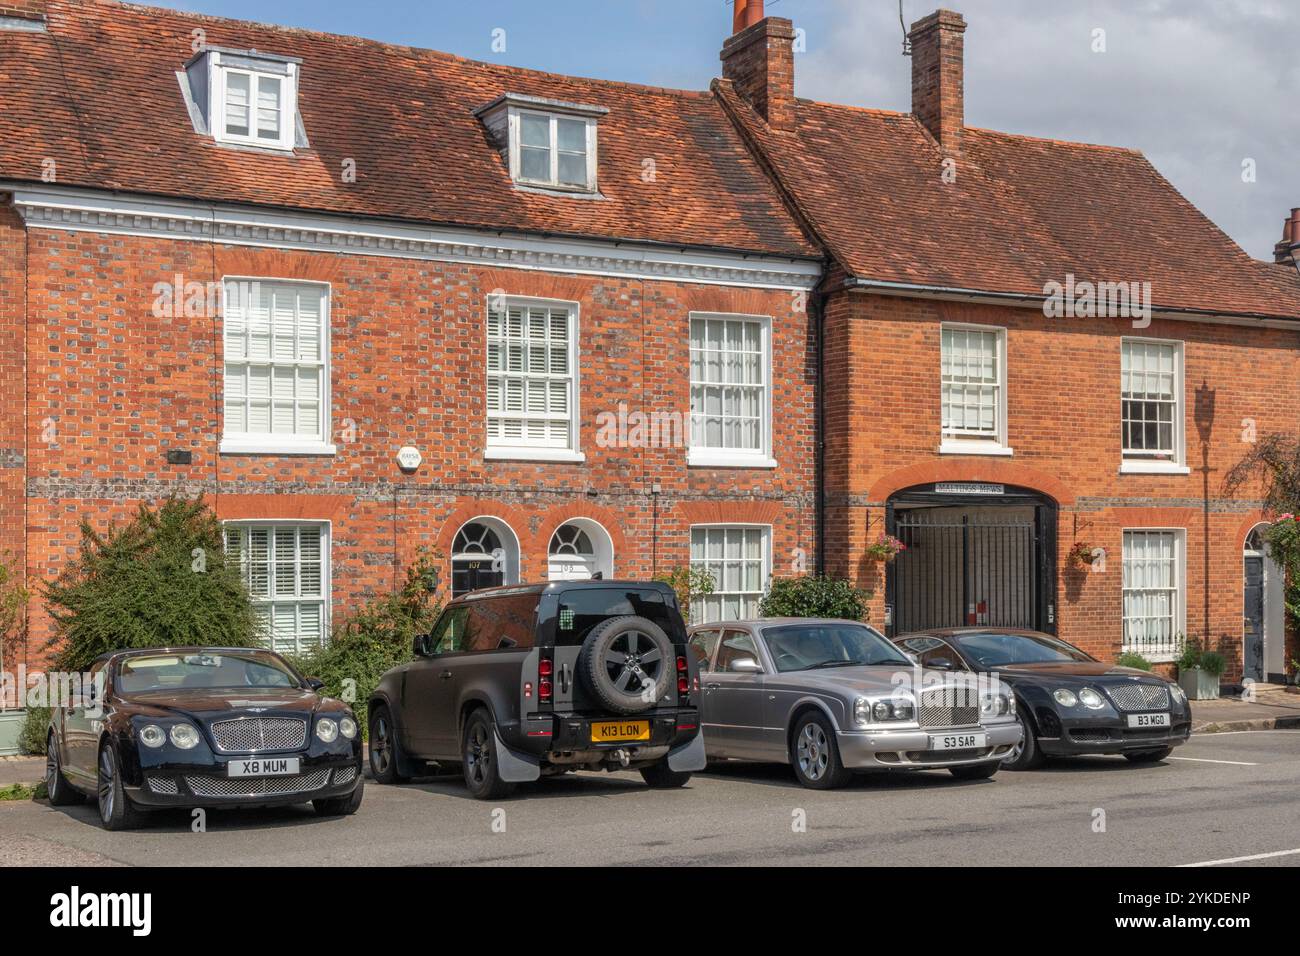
[315, 683]
[746, 665]
[419, 643]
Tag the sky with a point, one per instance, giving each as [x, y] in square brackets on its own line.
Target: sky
[1209, 90]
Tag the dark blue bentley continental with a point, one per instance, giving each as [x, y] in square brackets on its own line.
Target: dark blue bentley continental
[201, 727]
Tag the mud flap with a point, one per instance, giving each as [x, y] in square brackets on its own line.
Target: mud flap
[512, 767]
[688, 757]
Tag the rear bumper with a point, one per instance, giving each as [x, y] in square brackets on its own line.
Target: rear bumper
[910, 749]
[563, 741]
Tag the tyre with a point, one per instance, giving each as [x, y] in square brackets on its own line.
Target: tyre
[976, 771]
[1025, 755]
[116, 811]
[660, 776]
[384, 750]
[482, 774]
[1149, 756]
[57, 787]
[627, 663]
[341, 806]
[815, 755]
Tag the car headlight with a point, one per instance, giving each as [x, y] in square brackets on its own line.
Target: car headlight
[348, 727]
[862, 710]
[866, 711]
[1177, 693]
[151, 735]
[1011, 705]
[1091, 699]
[326, 730]
[184, 736]
[1065, 697]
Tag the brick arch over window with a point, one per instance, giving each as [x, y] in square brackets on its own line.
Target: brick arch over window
[282, 507]
[551, 520]
[731, 512]
[278, 264]
[516, 518]
[1248, 524]
[981, 470]
[540, 285]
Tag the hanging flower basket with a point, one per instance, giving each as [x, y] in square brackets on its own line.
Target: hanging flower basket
[1081, 555]
[885, 548]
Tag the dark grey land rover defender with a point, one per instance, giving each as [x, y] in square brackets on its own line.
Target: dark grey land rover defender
[520, 682]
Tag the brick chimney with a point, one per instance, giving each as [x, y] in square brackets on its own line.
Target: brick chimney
[1285, 253]
[938, 85]
[759, 59]
[24, 9]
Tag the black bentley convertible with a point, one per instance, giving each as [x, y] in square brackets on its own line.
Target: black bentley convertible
[1069, 702]
[202, 727]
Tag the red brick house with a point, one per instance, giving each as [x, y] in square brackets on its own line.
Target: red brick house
[992, 430]
[549, 326]
[230, 263]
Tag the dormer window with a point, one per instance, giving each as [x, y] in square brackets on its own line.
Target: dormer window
[245, 97]
[548, 144]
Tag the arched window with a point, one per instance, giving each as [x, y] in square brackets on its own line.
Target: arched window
[484, 554]
[578, 550]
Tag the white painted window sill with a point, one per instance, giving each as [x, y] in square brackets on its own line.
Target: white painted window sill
[1152, 658]
[974, 448]
[268, 446]
[534, 454]
[1153, 468]
[714, 458]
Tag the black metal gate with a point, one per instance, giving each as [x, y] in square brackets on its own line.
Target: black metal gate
[966, 567]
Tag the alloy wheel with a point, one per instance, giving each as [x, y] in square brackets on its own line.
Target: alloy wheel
[626, 661]
[478, 755]
[813, 751]
[381, 751]
[51, 766]
[107, 783]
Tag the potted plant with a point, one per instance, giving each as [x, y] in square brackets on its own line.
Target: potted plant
[1081, 555]
[13, 604]
[885, 548]
[1199, 671]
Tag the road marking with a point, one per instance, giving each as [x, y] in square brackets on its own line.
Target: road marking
[1235, 763]
[1242, 859]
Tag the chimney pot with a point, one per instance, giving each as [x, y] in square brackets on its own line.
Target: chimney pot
[747, 13]
[938, 81]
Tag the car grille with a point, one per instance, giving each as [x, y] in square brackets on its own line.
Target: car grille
[1140, 696]
[1087, 735]
[163, 785]
[949, 707]
[252, 734]
[256, 786]
[345, 775]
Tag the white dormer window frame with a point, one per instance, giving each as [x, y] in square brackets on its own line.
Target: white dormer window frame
[225, 70]
[549, 145]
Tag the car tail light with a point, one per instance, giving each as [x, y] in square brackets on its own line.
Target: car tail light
[545, 686]
[528, 689]
[544, 691]
[681, 665]
[544, 667]
[683, 685]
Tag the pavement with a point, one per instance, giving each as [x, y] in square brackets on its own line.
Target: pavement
[1220, 797]
[1271, 708]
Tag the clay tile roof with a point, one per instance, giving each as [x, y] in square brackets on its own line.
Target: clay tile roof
[98, 94]
[1022, 212]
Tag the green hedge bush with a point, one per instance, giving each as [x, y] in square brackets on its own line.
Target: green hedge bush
[161, 580]
[1130, 659]
[815, 596]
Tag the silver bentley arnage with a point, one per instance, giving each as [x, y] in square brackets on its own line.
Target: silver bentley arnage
[832, 697]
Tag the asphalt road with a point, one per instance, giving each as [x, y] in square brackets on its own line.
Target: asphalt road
[1221, 797]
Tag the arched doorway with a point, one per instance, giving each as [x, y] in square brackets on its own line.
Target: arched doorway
[1263, 656]
[484, 554]
[580, 549]
[977, 553]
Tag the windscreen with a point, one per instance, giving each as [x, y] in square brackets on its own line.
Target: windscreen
[193, 671]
